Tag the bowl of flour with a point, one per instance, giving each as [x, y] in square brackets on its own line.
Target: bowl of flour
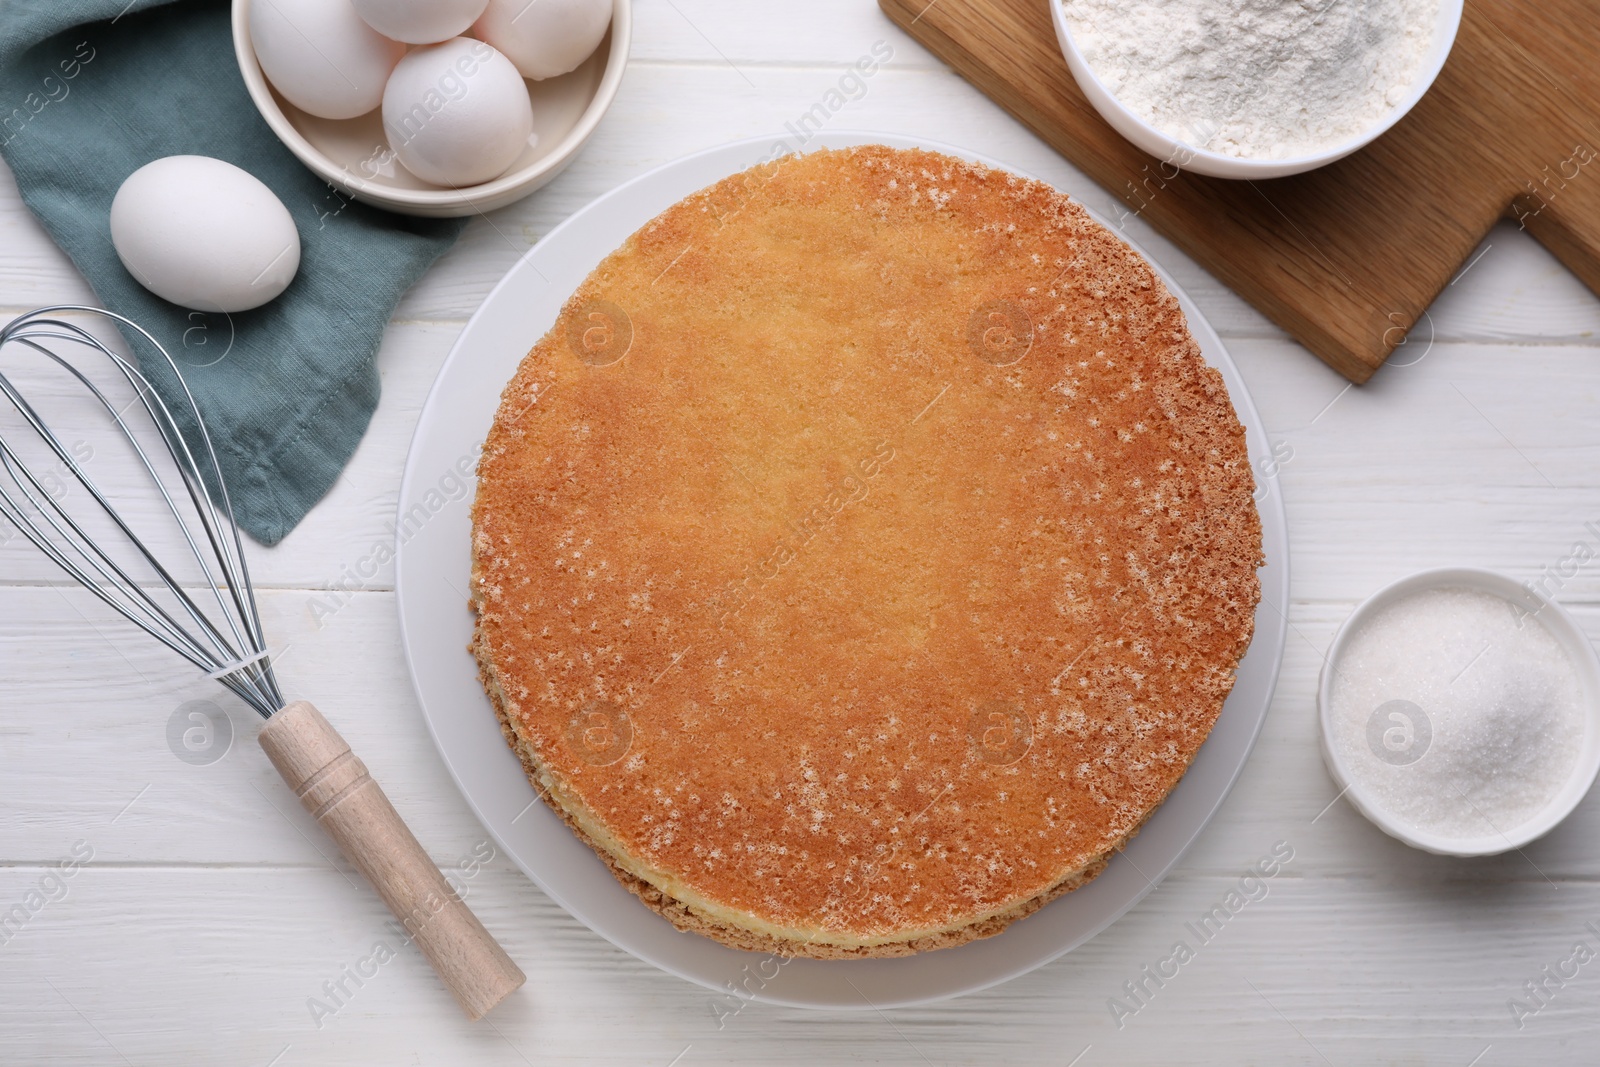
[1254, 88]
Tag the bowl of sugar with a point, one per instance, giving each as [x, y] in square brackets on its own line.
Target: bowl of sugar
[1461, 712]
[1254, 88]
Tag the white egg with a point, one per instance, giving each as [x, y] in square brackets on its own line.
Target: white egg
[204, 234]
[321, 56]
[421, 21]
[547, 37]
[457, 113]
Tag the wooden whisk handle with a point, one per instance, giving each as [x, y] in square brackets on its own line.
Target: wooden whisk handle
[336, 789]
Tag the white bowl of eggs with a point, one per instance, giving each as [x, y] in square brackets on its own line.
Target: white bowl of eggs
[433, 107]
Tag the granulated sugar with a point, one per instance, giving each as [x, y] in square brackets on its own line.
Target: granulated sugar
[1264, 79]
[1456, 713]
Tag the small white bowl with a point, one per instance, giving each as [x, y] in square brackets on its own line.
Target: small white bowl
[1558, 623]
[1188, 157]
[352, 155]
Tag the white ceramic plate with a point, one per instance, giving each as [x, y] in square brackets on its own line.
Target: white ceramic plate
[432, 577]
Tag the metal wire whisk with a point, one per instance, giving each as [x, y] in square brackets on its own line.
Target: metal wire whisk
[219, 633]
[212, 621]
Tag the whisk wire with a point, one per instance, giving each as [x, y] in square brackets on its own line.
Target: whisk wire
[233, 652]
[48, 507]
[109, 582]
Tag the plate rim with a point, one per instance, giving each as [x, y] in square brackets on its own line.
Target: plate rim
[1275, 572]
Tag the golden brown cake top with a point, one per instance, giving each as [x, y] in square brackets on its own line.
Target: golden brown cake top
[868, 546]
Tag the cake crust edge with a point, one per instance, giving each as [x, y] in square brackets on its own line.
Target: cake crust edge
[689, 919]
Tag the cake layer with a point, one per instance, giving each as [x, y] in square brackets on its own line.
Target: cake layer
[864, 554]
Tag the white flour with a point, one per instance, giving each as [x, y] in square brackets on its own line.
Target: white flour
[1269, 79]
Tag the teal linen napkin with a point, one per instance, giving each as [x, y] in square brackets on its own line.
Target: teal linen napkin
[91, 90]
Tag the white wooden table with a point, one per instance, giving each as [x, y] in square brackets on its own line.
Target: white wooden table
[210, 913]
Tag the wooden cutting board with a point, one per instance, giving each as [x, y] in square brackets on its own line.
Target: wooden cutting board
[1348, 256]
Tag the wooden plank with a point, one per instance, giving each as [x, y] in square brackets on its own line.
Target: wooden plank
[1346, 258]
[224, 962]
